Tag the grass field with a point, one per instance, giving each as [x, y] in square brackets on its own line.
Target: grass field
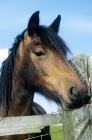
[58, 135]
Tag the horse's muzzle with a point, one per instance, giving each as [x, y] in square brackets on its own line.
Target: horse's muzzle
[78, 100]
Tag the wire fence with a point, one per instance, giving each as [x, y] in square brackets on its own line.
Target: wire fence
[41, 136]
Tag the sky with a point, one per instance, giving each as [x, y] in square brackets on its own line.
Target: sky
[75, 27]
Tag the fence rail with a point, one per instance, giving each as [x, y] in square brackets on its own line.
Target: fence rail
[27, 124]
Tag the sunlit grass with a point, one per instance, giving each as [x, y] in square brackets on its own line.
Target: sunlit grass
[56, 132]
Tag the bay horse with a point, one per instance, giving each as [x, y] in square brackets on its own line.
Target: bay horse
[37, 62]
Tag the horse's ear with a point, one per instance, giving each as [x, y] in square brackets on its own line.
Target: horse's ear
[55, 24]
[33, 23]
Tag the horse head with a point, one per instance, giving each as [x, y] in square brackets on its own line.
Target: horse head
[44, 67]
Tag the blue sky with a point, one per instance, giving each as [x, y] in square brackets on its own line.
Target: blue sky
[75, 27]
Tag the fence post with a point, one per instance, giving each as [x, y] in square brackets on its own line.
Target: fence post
[78, 123]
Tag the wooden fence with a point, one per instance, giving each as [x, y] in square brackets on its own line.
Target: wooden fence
[77, 124]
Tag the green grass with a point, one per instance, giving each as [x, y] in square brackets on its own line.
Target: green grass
[58, 135]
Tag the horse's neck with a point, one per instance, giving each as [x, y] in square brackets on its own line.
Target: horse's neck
[22, 106]
[22, 99]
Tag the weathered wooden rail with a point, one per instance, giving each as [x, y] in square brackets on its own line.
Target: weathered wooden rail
[27, 124]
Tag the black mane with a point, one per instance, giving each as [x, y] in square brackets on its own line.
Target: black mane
[6, 74]
[48, 37]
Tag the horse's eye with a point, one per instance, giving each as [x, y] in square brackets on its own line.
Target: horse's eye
[39, 53]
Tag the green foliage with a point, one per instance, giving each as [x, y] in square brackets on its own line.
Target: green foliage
[57, 135]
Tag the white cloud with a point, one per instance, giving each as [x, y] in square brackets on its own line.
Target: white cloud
[3, 55]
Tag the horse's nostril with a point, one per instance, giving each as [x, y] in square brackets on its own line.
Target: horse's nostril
[73, 90]
[73, 93]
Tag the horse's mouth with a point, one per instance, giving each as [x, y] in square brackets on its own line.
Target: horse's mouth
[65, 105]
[73, 105]
[68, 106]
